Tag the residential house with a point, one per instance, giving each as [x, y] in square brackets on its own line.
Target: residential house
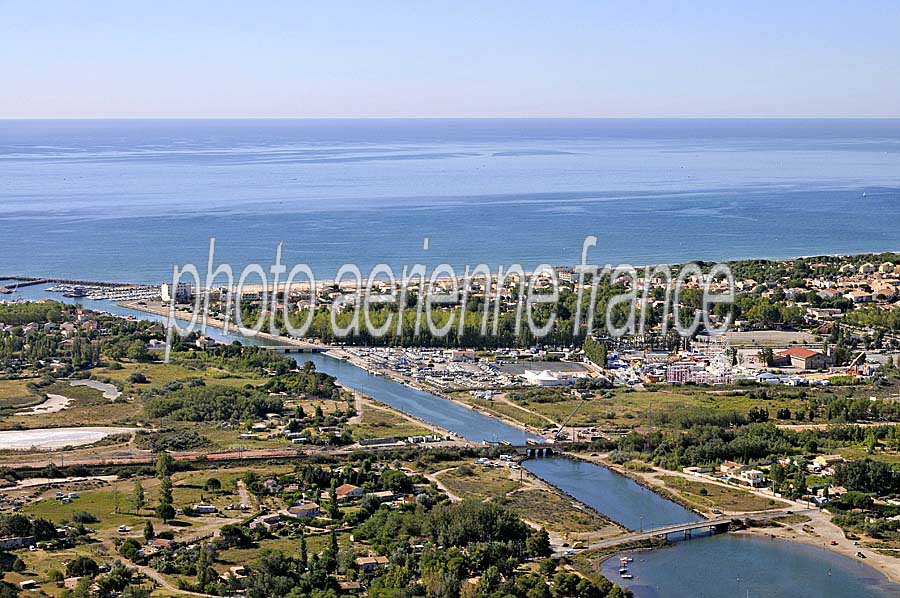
[304, 510]
[344, 493]
[369, 564]
[751, 477]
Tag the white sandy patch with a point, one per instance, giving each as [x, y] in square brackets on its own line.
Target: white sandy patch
[53, 404]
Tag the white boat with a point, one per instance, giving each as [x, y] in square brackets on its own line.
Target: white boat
[627, 576]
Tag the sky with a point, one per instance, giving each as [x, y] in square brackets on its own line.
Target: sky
[384, 58]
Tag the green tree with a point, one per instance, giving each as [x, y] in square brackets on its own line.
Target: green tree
[165, 491]
[164, 464]
[596, 352]
[304, 551]
[149, 532]
[82, 566]
[333, 511]
[166, 512]
[139, 497]
[130, 549]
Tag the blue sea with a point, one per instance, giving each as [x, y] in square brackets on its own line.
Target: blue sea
[127, 200]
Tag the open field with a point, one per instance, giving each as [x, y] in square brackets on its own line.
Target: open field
[112, 505]
[553, 511]
[706, 496]
[15, 394]
[382, 423]
[88, 408]
[510, 411]
[160, 374]
[630, 408]
[475, 481]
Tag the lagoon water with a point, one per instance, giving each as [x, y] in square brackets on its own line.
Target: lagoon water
[125, 200]
[736, 566]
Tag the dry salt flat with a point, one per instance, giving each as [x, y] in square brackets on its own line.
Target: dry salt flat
[55, 438]
[53, 404]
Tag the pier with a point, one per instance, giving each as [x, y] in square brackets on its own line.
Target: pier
[27, 281]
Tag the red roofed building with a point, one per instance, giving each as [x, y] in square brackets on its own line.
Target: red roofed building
[344, 493]
[803, 358]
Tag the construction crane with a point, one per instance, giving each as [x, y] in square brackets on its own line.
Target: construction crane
[852, 368]
[568, 419]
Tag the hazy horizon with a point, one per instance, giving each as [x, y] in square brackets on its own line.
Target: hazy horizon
[573, 59]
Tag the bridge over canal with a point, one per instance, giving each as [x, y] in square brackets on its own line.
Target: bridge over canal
[716, 526]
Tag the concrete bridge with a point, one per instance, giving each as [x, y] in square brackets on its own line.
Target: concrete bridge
[298, 348]
[716, 526]
[535, 450]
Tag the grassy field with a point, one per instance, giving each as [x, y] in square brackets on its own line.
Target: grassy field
[99, 503]
[630, 408]
[15, 394]
[708, 496]
[228, 476]
[475, 481]
[382, 423]
[552, 511]
[160, 374]
[89, 408]
[513, 412]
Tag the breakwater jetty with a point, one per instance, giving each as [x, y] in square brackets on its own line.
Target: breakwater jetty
[27, 281]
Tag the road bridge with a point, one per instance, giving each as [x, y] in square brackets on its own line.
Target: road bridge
[717, 525]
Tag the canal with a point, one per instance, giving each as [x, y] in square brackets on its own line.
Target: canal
[726, 565]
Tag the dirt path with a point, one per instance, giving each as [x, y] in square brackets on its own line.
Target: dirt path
[358, 407]
[433, 477]
[151, 573]
[246, 497]
[160, 579]
[501, 398]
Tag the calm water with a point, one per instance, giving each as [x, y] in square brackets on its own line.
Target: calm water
[619, 498]
[736, 566]
[425, 406]
[125, 200]
[713, 567]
